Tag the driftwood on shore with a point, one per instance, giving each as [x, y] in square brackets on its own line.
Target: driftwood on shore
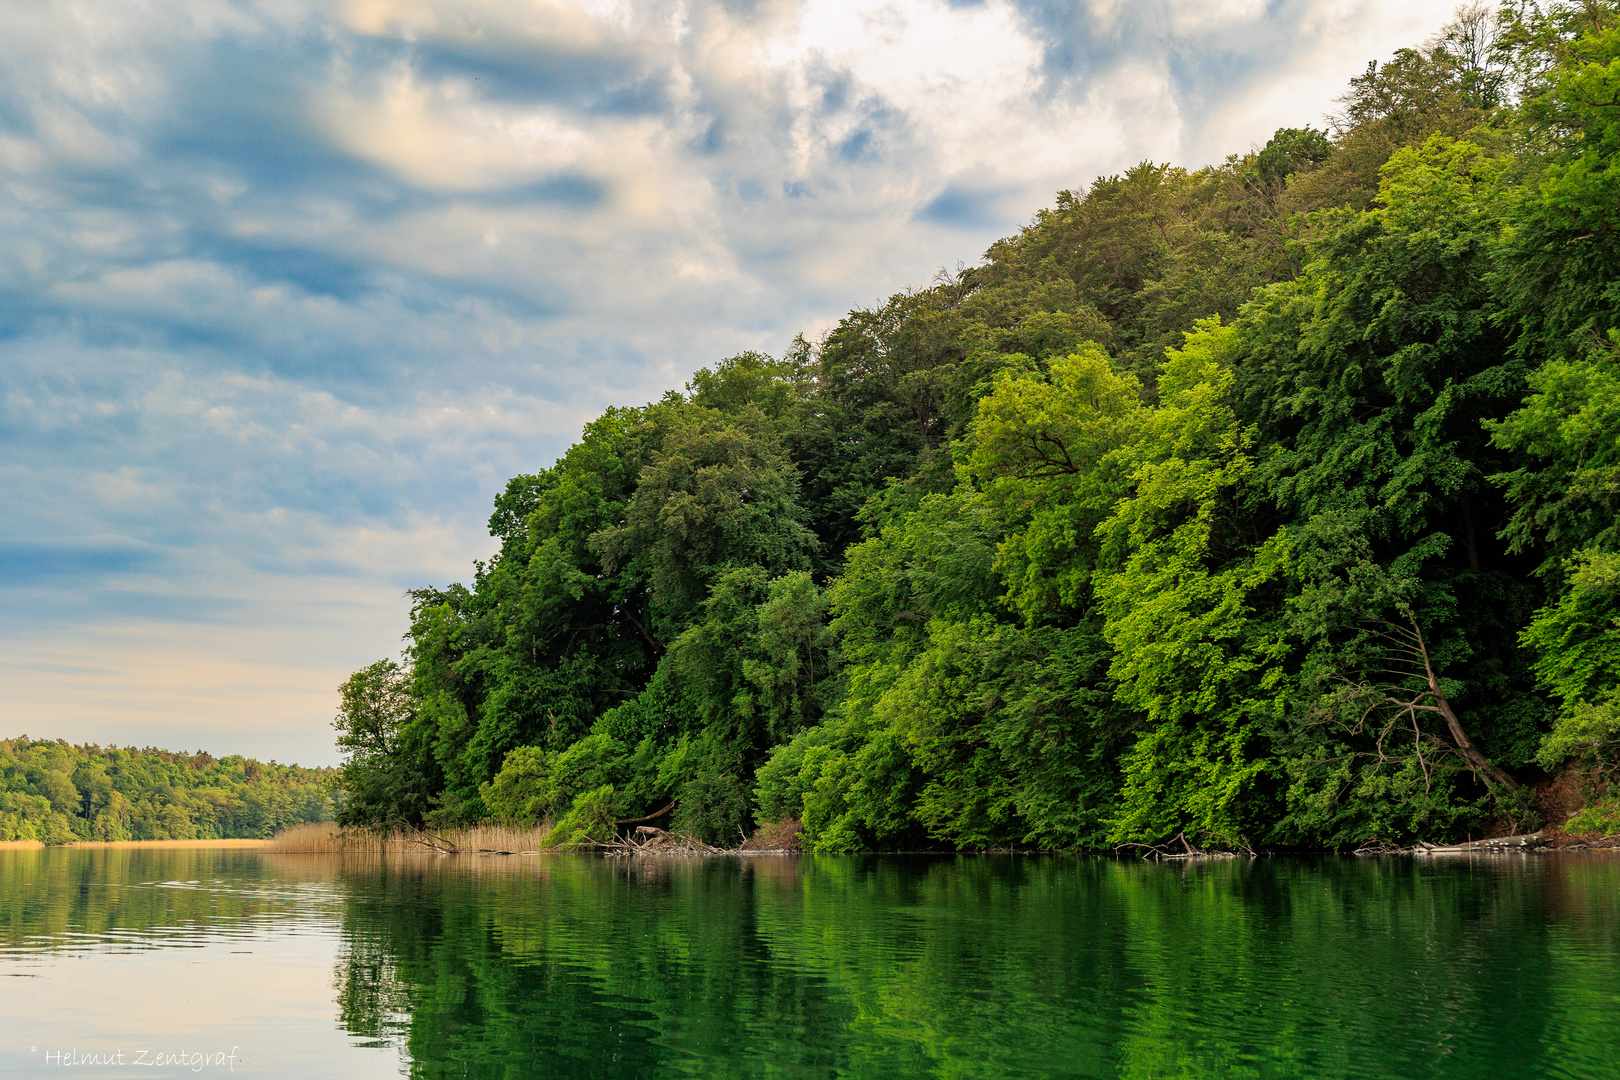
[1524, 842]
[647, 840]
[1167, 852]
[1494, 845]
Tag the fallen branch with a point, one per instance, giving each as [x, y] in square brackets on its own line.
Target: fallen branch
[650, 817]
[1523, 842]
[1165, 853]
[647, 840]
[423, 838]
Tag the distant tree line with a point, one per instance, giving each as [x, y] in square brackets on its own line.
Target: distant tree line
[57, 793]
[1273, 503]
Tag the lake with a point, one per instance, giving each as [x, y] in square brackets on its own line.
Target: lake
[208, 962]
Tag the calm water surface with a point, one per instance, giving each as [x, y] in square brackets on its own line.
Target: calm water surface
[575, 966]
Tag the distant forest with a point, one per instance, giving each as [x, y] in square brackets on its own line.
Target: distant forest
[1272, 504]
[56, 793]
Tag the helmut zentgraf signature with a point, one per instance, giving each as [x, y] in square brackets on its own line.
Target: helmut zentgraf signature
[151, 1058]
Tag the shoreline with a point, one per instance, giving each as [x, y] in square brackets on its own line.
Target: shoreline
[32, 845]
[1462, 851]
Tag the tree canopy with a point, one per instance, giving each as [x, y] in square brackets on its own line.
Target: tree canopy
[57, 793]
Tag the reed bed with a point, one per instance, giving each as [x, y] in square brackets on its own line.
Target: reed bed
[501, 838]
[487, 839]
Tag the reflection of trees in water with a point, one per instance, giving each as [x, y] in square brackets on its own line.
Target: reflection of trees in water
[373, 1000]
[891, 967]
[100, 897]
[968, 966]
[580, 967]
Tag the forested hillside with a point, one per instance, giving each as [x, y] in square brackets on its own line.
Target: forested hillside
[57, 793]
[1273, 502]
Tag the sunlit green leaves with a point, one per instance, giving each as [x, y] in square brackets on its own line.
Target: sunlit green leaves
[1051, 455]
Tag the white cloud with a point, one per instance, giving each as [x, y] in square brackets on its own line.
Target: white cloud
[291, 288]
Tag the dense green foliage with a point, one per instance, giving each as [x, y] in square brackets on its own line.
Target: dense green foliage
[1273, 502]
[57, 793]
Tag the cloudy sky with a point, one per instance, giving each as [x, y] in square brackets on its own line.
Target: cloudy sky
[288, 289]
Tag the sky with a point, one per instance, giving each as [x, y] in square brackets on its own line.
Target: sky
[288, 290]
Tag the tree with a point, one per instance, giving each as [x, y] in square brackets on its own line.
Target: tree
[380, 790]
[719, 493]
[1577, 643]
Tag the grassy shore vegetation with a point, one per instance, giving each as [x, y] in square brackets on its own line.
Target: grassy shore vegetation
[329, 838]
[56, 793]
[1272, 502]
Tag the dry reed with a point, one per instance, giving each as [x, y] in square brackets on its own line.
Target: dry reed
[237, 842]
[490, 839]
[776, 836]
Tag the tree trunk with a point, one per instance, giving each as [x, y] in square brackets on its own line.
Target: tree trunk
[1478, 762]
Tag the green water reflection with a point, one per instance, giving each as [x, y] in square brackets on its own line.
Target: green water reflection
[902, 967]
